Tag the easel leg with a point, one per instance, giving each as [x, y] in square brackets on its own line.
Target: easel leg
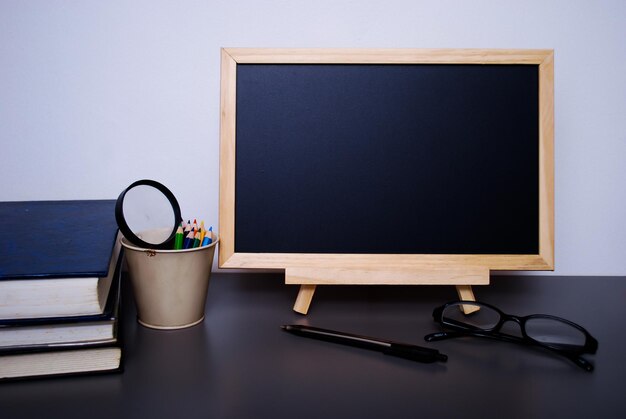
[466, 294]
[303, 301]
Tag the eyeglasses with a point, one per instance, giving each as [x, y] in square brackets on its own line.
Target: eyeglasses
[550, 332]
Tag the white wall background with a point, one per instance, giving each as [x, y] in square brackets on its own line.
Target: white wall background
[97, 94]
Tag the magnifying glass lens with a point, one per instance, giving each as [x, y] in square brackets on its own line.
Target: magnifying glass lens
[148, 214]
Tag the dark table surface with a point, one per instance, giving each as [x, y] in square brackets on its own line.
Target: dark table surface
[239, 364]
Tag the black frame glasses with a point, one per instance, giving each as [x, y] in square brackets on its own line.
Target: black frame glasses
[472, 318]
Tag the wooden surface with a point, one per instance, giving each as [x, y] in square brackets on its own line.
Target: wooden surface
[546, 159]
[386, 56]
[367, 262]
[449, 276]
[227, 157]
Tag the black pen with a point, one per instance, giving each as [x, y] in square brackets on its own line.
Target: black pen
[402, 350]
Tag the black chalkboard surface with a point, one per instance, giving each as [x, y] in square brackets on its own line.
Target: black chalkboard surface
[378, 158]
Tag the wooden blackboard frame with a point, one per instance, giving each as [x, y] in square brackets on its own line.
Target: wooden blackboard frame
[313, 269]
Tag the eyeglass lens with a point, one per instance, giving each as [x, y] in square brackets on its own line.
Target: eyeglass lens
[548, 330]
[483, 319]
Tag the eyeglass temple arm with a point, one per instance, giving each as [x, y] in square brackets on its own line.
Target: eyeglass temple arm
[455, 334]
[576, 358]
[433, 337]
[579, 360]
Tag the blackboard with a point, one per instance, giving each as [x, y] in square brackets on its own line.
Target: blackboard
[387, 159]
[386, 166]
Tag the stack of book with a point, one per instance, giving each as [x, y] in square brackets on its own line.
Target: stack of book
[60, 272]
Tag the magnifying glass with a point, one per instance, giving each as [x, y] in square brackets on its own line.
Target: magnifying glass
[148, 214]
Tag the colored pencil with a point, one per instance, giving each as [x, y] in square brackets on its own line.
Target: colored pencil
[208, 239]
[196, 240]
[202, 231]
[178, 240]
[188, 243]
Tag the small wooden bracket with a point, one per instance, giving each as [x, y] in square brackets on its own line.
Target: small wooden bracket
[466, 294]
[308, 278]
[303, 301]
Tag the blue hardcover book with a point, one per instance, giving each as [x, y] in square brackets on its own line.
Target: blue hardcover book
[57, 258]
